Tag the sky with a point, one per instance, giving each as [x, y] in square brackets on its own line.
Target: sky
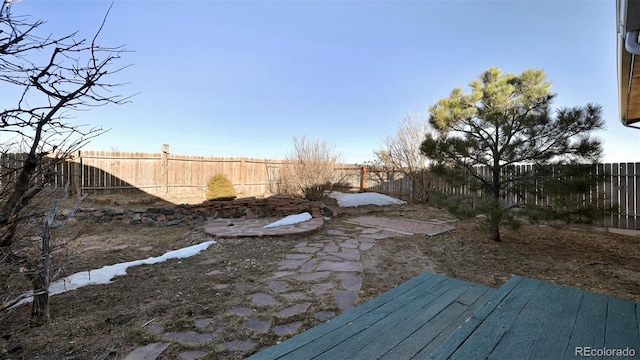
[243, 78]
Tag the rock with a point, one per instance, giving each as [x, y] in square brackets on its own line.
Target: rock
[112, 212]
[294, 310]
[147, 352]
[173, 222]
[287, 328]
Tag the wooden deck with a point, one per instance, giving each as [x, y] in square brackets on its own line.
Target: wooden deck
[437, 317]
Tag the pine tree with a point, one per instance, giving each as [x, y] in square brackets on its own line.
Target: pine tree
[506, 120]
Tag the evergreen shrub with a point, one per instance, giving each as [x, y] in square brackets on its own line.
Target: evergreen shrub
[220, 187]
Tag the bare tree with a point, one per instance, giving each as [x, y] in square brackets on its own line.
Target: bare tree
[310, 168]
[37, 130]
[401, 152]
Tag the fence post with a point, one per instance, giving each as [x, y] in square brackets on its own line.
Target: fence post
[242, 176]
[75, 176]
[164, 169]
[363, 179]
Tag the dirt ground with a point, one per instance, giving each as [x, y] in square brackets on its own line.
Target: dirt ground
[109, 321]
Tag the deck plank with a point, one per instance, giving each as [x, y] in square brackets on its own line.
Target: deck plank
[329, 340]
[590, 324]
[481, 295]
[393, 326]
[410, 288]
[436, 317]
[520, 337]
[483, 340]
[437, 313]
[560, 316]
[622, 325]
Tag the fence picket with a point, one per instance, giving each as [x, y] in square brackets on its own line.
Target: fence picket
[113, 171]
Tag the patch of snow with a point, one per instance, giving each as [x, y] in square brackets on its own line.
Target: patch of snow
[290, 220]
[105, 274]
[367, 198]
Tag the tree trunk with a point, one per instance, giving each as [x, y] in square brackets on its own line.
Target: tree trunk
[41, 280]
[40, 306]
[495, 231]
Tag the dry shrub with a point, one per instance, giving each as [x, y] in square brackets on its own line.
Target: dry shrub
[220, 187]
[309, 169]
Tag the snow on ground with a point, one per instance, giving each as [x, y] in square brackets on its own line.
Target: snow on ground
[105, 274]
[290, 220]
[367, 198]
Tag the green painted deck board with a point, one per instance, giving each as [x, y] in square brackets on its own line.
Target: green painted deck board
[435, 317]
[374, 315]
[590, 324]
[438, 330]
[412, 286]
[622, 325]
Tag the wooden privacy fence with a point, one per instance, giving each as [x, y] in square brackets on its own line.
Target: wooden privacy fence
[162, 174]
[621, 186]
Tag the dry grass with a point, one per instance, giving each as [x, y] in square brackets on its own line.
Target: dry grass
[108, 321]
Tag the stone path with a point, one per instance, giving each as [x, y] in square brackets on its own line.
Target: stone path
[431, 227]
[255, 227]
[315, 273]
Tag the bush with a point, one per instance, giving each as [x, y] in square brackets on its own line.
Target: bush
[309, 169]
[220, 188]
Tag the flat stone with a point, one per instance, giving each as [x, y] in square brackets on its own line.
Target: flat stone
[239, 345]
[257, 325]
[262, 299]
[297, 256]
[279, 274]
[207, 261]
[192, 355]
[220, 286]
[214, 272]
[188, 337]
[291, 264]
[331, 258]
[322, 288]
[287, 328]
[279, 286]
[366, 246]
[240, 310]
[331, 248]
[350, 281]
[148, 352]
[349, 245]
[120, 247]
[203, 323]
[308, 249]
[346, 299]
[370, 231]
[336, 232]
[302, 244]
[309, 266]
[294, 310]
[351, 255]
[316, 244]
[324, 315]
[340, 266]
[380, 236]
[146, 248]
[311, 276]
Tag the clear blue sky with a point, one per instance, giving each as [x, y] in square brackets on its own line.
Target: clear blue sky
[243, 78]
